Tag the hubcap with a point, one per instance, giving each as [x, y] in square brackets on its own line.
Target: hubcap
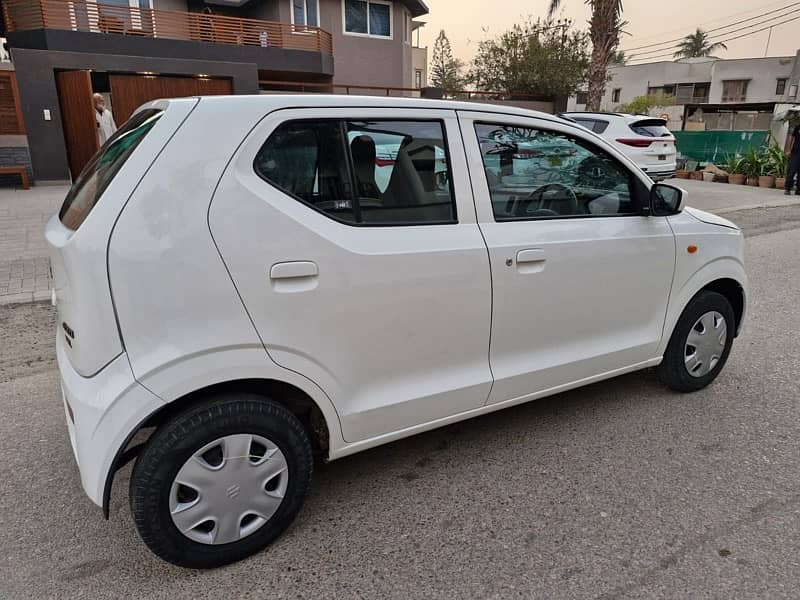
[228, 489]
[705, 344]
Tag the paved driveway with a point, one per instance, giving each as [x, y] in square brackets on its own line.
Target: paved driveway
[619, 490]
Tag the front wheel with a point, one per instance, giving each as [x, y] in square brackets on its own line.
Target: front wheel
[700, 343]
[220, 481]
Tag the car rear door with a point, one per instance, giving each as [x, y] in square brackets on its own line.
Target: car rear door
[580, 279]
[352, 239]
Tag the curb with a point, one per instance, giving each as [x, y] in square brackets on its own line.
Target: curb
[25, 298]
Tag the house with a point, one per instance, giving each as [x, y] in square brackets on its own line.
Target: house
[735, 94]
[133, 51]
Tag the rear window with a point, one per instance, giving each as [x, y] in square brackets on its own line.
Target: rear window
[97, 175]
[650, 128]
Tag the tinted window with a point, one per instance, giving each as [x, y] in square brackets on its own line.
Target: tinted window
[363, 172]
[538, 174]
[97, 175]
[650, 128]
[595, 125]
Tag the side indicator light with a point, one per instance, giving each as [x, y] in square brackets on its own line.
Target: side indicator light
[691, 249]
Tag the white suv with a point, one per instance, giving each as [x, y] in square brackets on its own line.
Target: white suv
[645, 140]
[239, 288]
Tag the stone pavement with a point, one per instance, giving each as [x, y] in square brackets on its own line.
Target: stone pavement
[24, 266]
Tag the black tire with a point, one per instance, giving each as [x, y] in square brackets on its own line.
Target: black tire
[672, 370]
[174, 442]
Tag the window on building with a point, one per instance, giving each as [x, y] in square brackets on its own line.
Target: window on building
[305, 12]
[780, 87]
[417, 78]
[616, 94]
[368, 17]
[363, 172]
[734, 90]
[793, 91]
[581, 97]
[540, 174]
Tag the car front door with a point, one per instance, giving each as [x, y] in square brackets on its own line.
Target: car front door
[580, 278]
[352, 239]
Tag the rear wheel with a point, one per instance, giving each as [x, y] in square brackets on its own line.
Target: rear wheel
[220, 481]
[700, 343]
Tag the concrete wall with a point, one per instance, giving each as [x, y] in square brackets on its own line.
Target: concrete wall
[763, 74]
[36, 80]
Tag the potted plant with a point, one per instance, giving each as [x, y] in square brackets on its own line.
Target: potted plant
[751, 166]
[735, 172]
[778, 163]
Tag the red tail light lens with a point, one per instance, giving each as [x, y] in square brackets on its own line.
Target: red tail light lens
[635, 142]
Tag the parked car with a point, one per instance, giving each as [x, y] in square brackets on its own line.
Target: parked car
[645, 140]
[237, 293]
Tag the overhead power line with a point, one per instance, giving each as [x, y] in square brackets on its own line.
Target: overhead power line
[670, 54]
[792, 6]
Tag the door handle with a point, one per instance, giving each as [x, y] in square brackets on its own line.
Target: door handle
[294, 270]
[530, 260]
[533, 255]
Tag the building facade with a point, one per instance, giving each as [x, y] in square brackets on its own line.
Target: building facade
[133, 51]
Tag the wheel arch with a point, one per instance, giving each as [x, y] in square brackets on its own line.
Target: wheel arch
[297, 400]
[725, 276]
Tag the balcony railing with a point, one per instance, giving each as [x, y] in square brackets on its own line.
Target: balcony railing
[73, 15]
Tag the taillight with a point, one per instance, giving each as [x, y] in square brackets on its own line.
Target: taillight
[635, 142]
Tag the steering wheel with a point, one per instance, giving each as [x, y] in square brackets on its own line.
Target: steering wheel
[552, 199]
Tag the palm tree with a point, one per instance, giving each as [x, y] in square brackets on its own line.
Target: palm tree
[605, 28]
[697, 44]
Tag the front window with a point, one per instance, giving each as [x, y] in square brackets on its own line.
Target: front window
[305, 12]
[101, 170]
[540, 174]
[616, 94]
[581, 97]
[734, 90]
[368, 17]
[780, 87]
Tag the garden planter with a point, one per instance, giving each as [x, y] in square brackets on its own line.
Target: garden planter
[682, 174]
[721, 179]
[708, 177]
[766, 181]
[736, 178]
[752, 181]
[696, 175]
[780, 182]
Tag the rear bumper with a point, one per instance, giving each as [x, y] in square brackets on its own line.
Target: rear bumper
[101, 412]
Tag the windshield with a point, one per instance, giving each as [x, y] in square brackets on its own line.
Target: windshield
[100, 171]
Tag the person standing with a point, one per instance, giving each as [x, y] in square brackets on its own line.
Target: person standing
[793, 171]
[105, 120]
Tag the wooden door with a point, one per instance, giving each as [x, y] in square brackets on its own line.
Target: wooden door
[78, 118]
[129, 92]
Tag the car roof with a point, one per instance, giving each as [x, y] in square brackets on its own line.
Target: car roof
[279, 101]
[626, 116]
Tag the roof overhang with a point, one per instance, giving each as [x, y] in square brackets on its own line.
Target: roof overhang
[417, 7]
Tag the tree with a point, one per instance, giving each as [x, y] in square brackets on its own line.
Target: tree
[642, 105]
[445, 70]
[546, 58]
[618, 58]
[605, 27]
[697, 44]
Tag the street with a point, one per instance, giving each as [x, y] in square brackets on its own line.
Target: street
[622, 489]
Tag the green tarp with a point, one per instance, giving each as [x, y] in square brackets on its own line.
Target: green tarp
[718, 146]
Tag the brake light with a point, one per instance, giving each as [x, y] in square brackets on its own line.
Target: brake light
[635, 142]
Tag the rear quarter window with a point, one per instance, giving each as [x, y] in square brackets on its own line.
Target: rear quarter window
[104, 166]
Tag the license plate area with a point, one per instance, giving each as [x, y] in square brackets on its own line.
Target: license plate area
[662, 157]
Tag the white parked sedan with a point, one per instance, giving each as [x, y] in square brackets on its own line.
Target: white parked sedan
[245, 282]
[645, 140]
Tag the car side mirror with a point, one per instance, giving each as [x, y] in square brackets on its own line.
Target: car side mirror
[666, 200]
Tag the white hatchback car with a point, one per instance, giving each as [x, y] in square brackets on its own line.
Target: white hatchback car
[237, 292]
[646, 140]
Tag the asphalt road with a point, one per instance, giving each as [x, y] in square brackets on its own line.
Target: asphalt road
[618, 490]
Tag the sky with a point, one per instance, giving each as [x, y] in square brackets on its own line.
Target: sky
[467, 22]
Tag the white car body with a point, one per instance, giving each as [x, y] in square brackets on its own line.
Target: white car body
[192, 271]
[645, 140]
